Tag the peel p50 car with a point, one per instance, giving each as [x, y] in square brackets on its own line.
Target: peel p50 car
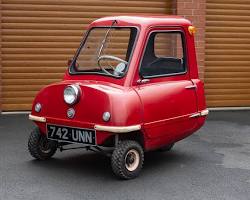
[131, 87]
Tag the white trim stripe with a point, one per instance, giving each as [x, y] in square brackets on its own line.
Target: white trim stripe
[118, 129]
[37, 119]
[200, 114]
[15, 113]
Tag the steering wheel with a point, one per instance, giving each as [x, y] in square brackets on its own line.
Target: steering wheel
[108, 57]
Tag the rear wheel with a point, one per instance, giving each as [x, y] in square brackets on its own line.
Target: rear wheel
[40, 147]
[127, 159]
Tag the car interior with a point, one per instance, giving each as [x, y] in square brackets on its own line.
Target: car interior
[153, 65]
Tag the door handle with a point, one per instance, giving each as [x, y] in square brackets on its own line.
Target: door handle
[191, 87]
[141, 81]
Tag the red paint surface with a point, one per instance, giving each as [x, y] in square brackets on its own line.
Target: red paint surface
[162, 106]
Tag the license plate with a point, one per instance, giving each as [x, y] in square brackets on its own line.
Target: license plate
[71, 134]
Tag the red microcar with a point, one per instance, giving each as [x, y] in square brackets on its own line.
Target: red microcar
[131, 87]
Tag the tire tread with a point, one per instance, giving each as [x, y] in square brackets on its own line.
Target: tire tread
[33, 147]
[118, 155]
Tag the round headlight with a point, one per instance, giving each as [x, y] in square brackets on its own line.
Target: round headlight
[71, 94]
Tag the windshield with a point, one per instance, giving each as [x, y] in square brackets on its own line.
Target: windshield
[106, 51]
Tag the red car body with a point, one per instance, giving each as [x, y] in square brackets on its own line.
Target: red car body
[162, 110]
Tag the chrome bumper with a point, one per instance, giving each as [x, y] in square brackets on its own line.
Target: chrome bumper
[36, 118]
[112, 129]
[118, 129]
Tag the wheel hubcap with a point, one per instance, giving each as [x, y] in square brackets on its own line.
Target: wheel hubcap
[132, 160]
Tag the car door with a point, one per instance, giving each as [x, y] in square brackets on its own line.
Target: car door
[167, 94]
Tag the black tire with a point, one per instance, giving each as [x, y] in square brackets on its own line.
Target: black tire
[167, 147]
[125, 154]
[40, 147]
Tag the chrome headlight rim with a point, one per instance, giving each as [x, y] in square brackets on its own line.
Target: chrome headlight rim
[76, 92]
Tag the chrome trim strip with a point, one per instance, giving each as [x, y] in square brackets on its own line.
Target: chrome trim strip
[153, 123]
[204, 112]
[191, 87]
[15, 112]
[37, 119]
[195, 115]
[117, 129]
[200, 114]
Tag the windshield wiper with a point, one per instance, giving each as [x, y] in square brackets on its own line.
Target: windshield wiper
[104, 39]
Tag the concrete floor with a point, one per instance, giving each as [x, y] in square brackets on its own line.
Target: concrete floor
[214, 163]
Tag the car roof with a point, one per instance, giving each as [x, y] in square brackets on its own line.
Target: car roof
[144, 20]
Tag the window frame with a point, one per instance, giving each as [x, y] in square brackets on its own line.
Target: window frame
[184, 47]
[73, 71]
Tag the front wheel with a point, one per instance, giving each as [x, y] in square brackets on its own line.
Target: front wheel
[127, 159]
[40, 147]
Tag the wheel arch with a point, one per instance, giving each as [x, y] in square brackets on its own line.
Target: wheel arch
[137, 136]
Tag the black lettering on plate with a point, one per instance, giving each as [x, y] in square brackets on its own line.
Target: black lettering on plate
[71, 134]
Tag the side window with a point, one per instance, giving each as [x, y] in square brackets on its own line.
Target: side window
[164, 55]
